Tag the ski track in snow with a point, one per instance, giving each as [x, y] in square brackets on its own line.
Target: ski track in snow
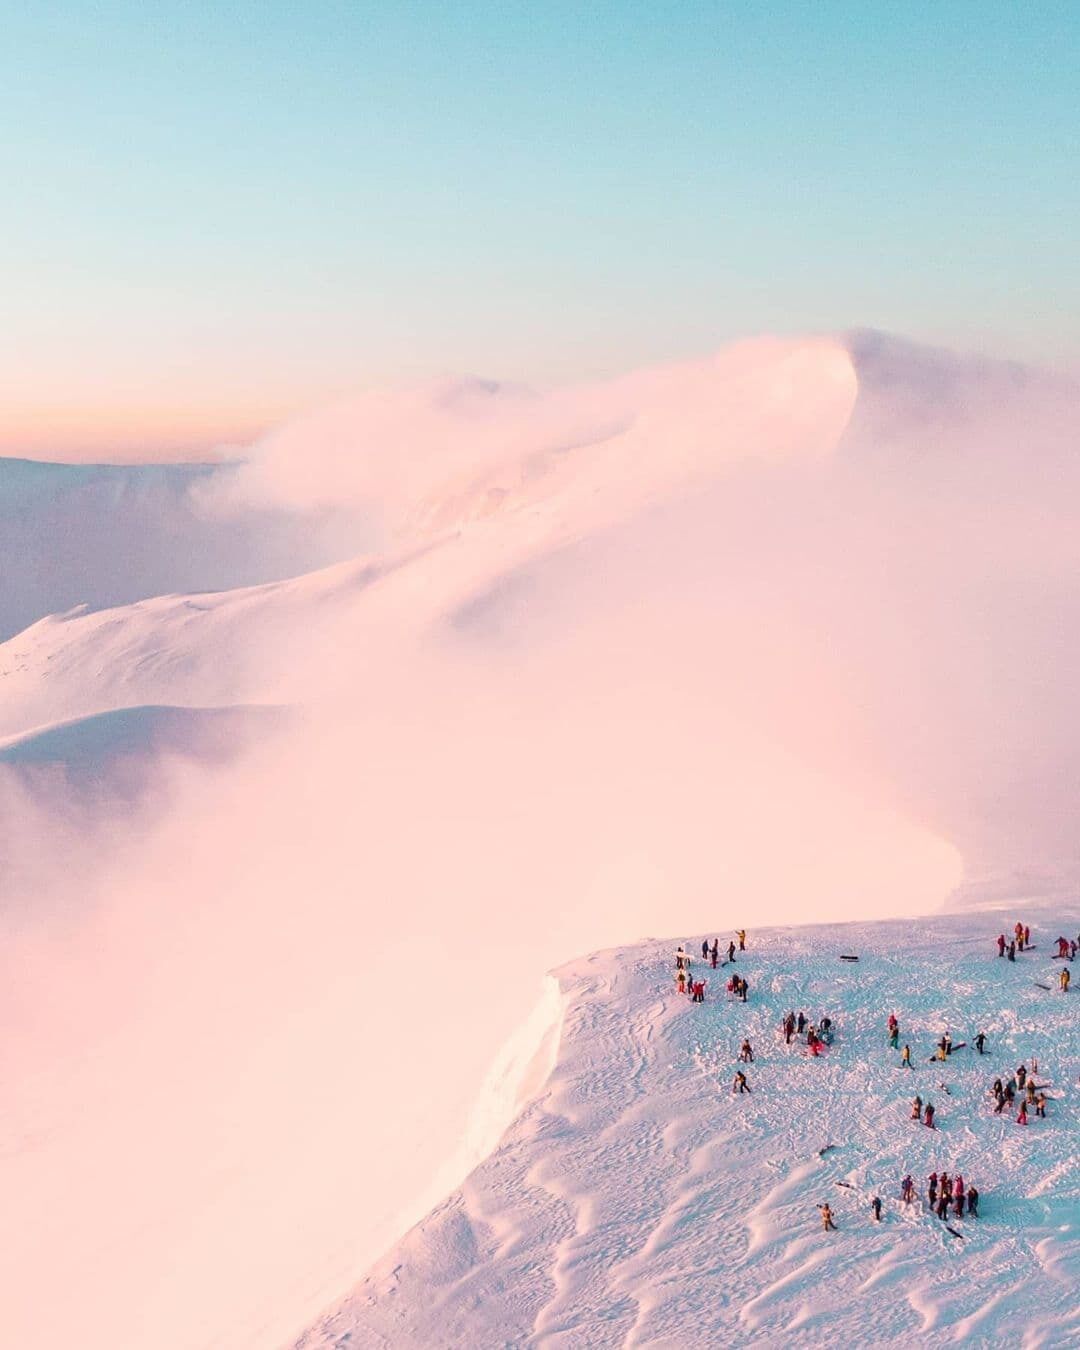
[638, 1202]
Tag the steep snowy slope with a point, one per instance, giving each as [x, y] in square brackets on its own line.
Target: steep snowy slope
[639, 1202]
[108, 534]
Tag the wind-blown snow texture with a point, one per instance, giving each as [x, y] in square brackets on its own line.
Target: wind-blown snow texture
[637, 1201]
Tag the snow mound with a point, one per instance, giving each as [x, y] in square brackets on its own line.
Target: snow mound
[637, 1201]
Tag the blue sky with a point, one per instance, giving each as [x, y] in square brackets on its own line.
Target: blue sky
[217, 213]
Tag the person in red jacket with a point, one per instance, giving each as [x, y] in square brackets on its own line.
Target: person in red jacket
[1001, 944]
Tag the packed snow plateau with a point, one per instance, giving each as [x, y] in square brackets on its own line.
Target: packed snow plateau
[637, 1201]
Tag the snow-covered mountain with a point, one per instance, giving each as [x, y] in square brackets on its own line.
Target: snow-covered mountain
[435, 691]
[637, 1201]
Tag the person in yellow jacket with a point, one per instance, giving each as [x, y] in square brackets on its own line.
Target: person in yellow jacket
[1063, 979]
[740, 933]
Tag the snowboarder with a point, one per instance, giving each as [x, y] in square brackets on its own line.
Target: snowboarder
[1021, 1074]
[943, 1204]
[801, 1024]
[980, 1041]
[1027, 936]
[680, 980]
[916, 1109]
[699, 991]
[931, 1189]
[740, 1084]
[928, 1115]
[1001, 944]
[705, 949]
[740, 933]
[746, 1054]
[905, 1057]
[743, 988]
[789, 1028]
[875, 1205]
[1063, 979]
[714, 952]
[1040, 1105]
[907, 1190]
[973, 1202]
[1022, 1119]
[894, 1036]
[1012, 951]
[731, 951]
[1063, 949]
[826, 1218]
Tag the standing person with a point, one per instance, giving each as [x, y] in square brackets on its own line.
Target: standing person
[1040, 1105]
[680, 980]
[980, 1041]
[894, 1037]
[1063, 979]
[1027, 936]
[916, 1109]
[740, 1084]
[973, 1202]
[931, 1189]
[905, 1057]
[789, 1027]
[1022, 1119]
[743, 988]
[801, 1024]
[875, 1205]
[826, 1218]
[704, 949]
[943, 1204]
[928, 1115]
[1021, 1075]
[714, 951]
[699, 991]
[746, 1054]
[1001, 944]
[740, 933]
[1012, 951]
[731, 951]
[680, 959]
[907, 1190]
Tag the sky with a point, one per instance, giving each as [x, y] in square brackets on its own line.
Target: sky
[217, 215]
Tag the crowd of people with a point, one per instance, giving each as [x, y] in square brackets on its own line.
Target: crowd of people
[945, 1193]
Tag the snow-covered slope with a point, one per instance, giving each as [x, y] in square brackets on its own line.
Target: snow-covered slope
[637, 1201]
[611, 660]
[109, 534]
